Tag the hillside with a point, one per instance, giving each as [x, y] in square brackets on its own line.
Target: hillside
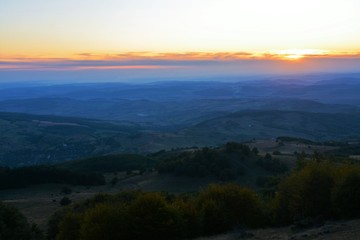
[35, 139]
[139, 172]
[32, 139]
[250, 124]
[332, 230]
[134, 171]
[183, 103]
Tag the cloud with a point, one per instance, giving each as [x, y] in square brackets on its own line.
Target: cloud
[155, 66]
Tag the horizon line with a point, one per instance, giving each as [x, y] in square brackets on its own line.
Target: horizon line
[274, 54]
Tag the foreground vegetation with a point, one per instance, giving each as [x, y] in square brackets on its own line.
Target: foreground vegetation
[155, 215]
[14, 226]
[318, 190]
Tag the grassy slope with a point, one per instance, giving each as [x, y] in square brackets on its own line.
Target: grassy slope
[37, 202]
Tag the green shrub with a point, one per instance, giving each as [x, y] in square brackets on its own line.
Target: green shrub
[65, 201]
[319, 190]
[69, 226]
[152, 218]
[231, 205]
[105, 220]
[189, 215]
[305, 193]
[14, 226]
[346, 194]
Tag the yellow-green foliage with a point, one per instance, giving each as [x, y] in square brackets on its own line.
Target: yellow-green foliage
[138, 215]
[105, 221]
[189, 215]
[151, 217]
[14, 226]
[225, 206]
[69, 226]
[319, 189]
[346, 193]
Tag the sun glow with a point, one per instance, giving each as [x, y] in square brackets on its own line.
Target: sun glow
[295, 54]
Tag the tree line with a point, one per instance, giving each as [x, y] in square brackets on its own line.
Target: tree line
[224, 163]
[25, 176]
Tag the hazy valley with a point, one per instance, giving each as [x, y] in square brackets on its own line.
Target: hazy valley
[65, 122]
[176, 137]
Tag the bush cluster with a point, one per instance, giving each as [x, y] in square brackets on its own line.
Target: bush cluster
[320, 189]
[139, 215]
[14, 226]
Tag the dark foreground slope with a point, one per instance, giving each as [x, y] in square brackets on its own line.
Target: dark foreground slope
[332, 230]
[320, 190]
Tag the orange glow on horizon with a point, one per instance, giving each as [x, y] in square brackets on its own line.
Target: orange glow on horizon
[189, 63]
[287, 54]
[124, 67]
[67, 68]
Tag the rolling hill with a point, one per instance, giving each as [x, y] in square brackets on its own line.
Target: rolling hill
[244, 125]
[36, 139]
[32, 139]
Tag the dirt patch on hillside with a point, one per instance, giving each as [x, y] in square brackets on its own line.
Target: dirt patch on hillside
[339, 230]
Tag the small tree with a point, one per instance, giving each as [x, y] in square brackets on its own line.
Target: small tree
[346, 195]
[255, 151]
[69, 227]
[13, 225]
[105, 220]
[66, 190]
[114, 181]
[65, 201]
[305, 193]
[151, 217]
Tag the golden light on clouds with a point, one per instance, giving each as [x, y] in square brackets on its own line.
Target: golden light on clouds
[295, 54]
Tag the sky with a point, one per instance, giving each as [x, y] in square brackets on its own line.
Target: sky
[40, 38]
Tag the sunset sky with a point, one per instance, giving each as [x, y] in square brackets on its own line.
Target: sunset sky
[240, 36]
